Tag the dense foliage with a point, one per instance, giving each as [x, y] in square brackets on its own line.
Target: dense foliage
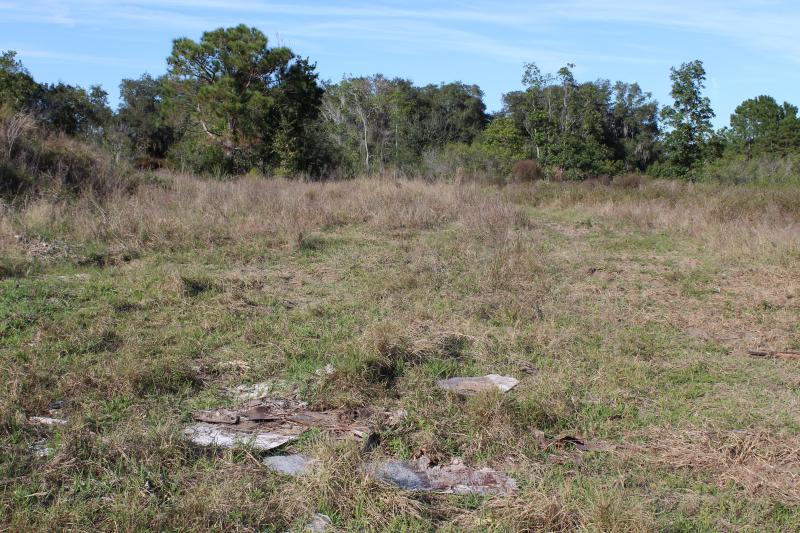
[230, 104]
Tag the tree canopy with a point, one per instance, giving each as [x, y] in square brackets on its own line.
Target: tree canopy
[231, 103]
[250, 101]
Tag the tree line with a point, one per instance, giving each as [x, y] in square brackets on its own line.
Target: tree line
[231, 104]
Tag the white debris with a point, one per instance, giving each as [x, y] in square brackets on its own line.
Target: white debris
[468, 386]
[46, 421]
[41, 448]
[327, 370]
[204, 434]
[244, 393]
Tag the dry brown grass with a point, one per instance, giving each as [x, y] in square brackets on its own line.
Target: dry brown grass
[735, 221]
[758, 462]
[182, 209]
[186, 210]
[624, 313]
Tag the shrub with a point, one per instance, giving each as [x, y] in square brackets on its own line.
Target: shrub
[628, 180]
[603, 180]
[526, 170]
[459, 161]
[766, 171]
[33, 159]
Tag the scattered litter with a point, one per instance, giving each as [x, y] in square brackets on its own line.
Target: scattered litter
[396, 417]
[371, 443]
[319, 524]
[791, 356]
[473, 385]
[270, 423]
[455, 478]
[327, 370]
[218, 416]
[243, 393]
[46, 421]
[290, 465]
[225, 436]
[41, 448]
[581, 444]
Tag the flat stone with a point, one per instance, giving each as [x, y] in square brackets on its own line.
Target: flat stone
[319, 524]
[469, 386]
[290, 465]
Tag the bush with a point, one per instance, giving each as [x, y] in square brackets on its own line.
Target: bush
[469, 162]
[628, 180]
[761, 171]
[526, 170]
[603, 180]
[33, 159]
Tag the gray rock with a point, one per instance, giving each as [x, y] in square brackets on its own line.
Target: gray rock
[290, 465]
[455, 478]
[400, 474]
[319, 524]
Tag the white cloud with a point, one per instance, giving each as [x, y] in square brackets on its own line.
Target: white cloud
[501, 30]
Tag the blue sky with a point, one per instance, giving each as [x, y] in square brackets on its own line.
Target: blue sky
[749, 48]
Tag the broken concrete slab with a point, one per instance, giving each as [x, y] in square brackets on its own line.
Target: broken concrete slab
[41, 448]
[290, 465]
[224, 436]
[269, 423]
[218, 416]
[469, 386]
[455, 478]
[47, 421]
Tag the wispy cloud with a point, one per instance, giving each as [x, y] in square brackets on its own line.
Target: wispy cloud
[766, 24]
[38, 54]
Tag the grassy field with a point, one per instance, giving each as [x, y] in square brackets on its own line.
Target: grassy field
[625, 313]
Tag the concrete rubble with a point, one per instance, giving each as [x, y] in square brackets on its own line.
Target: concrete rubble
[469, 386]
[270, 423]
[455, 478]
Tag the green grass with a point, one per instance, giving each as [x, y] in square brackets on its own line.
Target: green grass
[605, 312]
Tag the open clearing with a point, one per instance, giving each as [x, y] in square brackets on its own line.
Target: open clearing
[625, 314]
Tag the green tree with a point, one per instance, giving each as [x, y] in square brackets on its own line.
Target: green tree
[18, 90]
[575, 128]
[141, 116]
[252, 102]
[450, 113]
[74, 110]
[762, 126]
[503, 141]
[689, 119]
[634, 116]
